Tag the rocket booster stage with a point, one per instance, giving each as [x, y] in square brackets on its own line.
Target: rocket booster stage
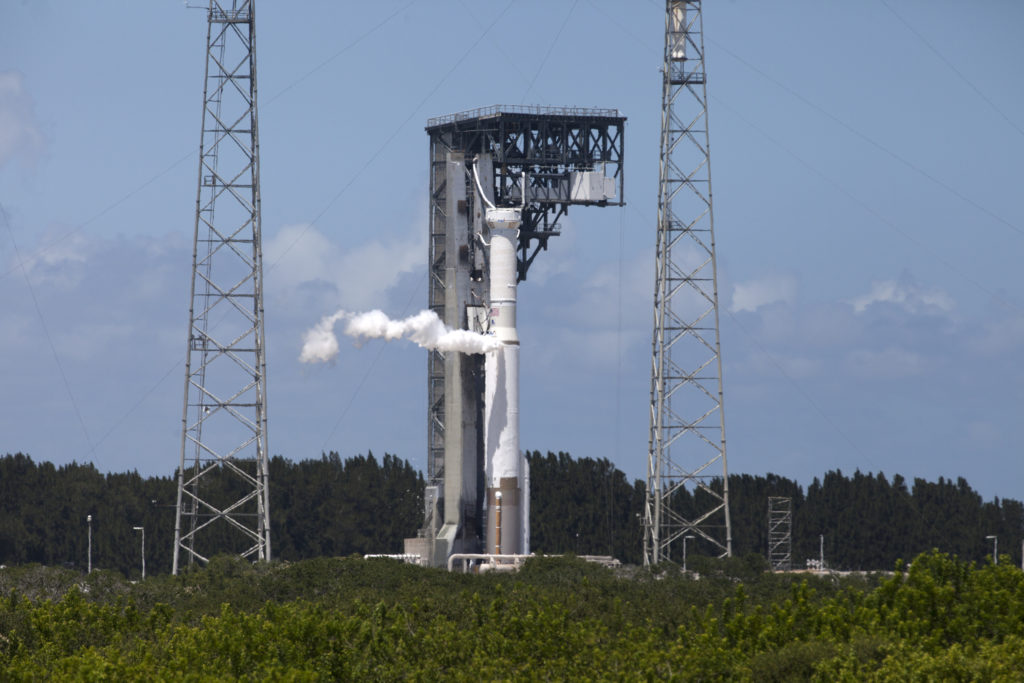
[505, 476]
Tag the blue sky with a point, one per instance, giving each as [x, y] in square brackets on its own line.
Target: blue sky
[865, 166]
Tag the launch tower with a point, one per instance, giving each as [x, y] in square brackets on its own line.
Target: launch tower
[222, 502]
[570, 157]
[687, 477]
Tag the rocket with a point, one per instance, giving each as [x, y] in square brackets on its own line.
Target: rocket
[501, 392]
[507, 488]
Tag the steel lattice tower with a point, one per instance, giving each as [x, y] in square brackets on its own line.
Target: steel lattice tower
[222, 479]
[780, 533]
[687, 477]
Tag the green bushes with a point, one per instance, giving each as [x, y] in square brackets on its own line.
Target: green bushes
[346, 619]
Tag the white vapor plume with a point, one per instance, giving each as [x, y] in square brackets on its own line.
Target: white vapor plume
[424, 328]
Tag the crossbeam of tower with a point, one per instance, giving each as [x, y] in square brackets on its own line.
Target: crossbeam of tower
[687, 477]
[222, 503]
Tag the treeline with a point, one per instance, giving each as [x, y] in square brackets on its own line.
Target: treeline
[335, 507]
[322, 507]
[869, 522]
[587, 506]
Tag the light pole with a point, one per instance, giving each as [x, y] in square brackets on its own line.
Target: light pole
[143, 530]
[821, 552]
[685, 539]
[995, 548]
[88, 519]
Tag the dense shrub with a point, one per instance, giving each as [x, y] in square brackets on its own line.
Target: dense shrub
[344, 619]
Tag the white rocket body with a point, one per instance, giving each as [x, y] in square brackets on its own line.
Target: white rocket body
[507, 505]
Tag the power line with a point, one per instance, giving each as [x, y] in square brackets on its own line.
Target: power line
[953, 68]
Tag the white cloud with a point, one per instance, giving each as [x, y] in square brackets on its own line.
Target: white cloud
[358, 277]
[19, 132]
[58, 264]
[906, 294]
[752, 295]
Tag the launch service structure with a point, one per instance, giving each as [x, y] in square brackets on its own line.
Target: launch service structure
[500, 179]
[687, 477]
[222, 504]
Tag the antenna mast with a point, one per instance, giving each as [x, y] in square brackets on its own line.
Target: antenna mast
[687, 477]
[222, 477]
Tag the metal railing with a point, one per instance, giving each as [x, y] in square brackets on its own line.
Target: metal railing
[530, 109]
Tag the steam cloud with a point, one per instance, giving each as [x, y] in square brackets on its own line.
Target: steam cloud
[425, 329]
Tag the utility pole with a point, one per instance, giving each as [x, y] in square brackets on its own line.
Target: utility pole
[222, 504]
[88, 520]
[685, 539]
[687, 477]
[143, 530]
[995, 548]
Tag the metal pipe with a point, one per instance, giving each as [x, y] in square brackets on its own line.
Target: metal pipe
[480, 188]
[497, 523]
[514, 561]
